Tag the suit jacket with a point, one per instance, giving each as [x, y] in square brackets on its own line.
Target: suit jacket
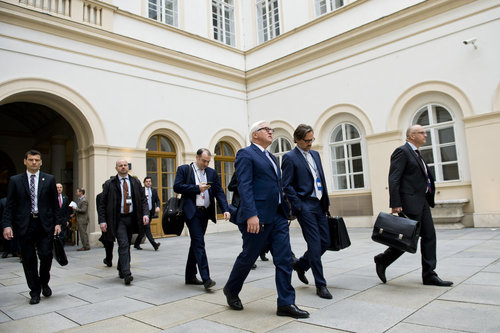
[3, 201]
[155, 201]
[259, 186]
[189, 191]
[82, 211]
[65, 210]
[408, 182]
[18, 207]
[298, 179]
[110, 202]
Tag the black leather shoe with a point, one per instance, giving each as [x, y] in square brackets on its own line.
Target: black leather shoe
[5, 255]
[35, 299]
[209, 284]
[156, 246]
[292, 311]
[107, 263]
[234, 302]
[128, 279]
[194, 281]
[263, 257]
[254, 266]
[138, 247]
[380, 268]
[300, 272]
[323, 292]
[46, 291]
[436, 281]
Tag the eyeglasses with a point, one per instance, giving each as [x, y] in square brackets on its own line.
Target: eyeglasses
[267, 129]
[422, 132]
[309, 141]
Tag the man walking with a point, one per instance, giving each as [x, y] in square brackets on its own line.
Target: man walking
[123, 210]
[262, 219]
[305, 186]
[64, 210]
[199, 206]
[154, 208]
[31, 216]
[82, 218]
[411, 190]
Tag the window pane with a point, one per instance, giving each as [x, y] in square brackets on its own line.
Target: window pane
[167, 164]
[448, 154]
[151, 145]
[429, 140]
[228, 151]
[154, 178]
[337, 135]
[357, 165]
[352, 132]
[341, 182]
[229, 167]
[340, 167]
[442, 115]
[359, 181]
[287, 146]
[218, 149]
[338, 152]
[355, 149]
[450, 171]
[165, 145]
[151, 165]
[446, 135]
[427, 155]
[423, 118]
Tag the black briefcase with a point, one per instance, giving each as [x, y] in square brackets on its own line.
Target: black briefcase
[339, 238]
[59, 252]
[399, 232]
[173, 219]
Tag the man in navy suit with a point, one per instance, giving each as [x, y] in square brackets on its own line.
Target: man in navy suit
[411, 190]
[154, 208]
[64, 209]
[199, 207]
[31, 214]
[262, 219]
[305, 186]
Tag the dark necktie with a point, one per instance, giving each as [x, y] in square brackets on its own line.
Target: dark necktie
[126, 207]
[425, 170]
[32, 193]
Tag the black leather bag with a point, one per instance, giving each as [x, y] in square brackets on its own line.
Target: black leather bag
[399, 232]
[172, 221]
[59, 252]
[339, 237]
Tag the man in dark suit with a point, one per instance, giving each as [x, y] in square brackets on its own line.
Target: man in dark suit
[199, 207]
[108, 244]
[64, 210]
[31, 215]
[305, 186]
[123, 210]
[411, 190]
[262, 219]
[154, 208]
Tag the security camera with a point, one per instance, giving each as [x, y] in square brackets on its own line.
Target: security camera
[471, 41]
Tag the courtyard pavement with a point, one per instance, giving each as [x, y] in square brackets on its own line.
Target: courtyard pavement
[89, 297]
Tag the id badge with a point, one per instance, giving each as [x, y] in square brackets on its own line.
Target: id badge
[318, 183]
[128, 200]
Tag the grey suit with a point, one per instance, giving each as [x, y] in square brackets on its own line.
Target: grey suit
[82, 218]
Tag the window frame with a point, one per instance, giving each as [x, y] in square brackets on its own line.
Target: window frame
[279, 154]
[266, 22]
[223, 31]
[327, 5]
[161, 10]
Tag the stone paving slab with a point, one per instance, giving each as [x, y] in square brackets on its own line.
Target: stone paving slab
[480, 294]
[118, 324]
[50, 322]
[204, 326]
[47, 305]
[412, 328]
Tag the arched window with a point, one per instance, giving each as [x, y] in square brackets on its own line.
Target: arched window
[347, 159]
[280, 147]
[224, 165]
[440, 151]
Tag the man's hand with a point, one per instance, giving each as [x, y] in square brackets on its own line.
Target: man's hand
[157, 209]
[203, 187]
[57, 229]
[227, 216]
[145, 219]
[253, 225]
[397, 210]
[7, 233]
[104, 227]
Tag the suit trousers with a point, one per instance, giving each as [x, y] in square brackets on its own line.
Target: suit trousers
[36, 240]
[108, 247]
[84, 236]
[427, 244]
[147, 232]
[277, 235]
[123, 238]
[197, 255]
[314, 225]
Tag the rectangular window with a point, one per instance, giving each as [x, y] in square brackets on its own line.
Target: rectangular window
[268, 19]
[325, 6]
[223, 21]
[165, 11]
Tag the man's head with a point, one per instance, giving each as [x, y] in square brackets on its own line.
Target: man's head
[416, 135]
[261, 133]
[80, 192]
[203, 157]
[59, 188]
[33, 160]
[304, 137]
[122, 167]
[147, 181]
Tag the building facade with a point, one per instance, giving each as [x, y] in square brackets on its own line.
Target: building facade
[88, 82]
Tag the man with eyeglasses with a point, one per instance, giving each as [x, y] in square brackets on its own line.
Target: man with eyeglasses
[305, 186]
[262, 219]
[411, 191]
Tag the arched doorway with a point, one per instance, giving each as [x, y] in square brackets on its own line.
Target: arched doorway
[161, 167]
[224, 165]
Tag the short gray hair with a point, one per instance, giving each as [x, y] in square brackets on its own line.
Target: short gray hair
[255, 126]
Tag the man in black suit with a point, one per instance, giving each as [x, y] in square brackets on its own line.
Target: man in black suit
[154, 208]
[305, 186]
[64, 210]
[31, 215]
[123, 210]
[411, 190]
[199, 207]
[108, 244]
